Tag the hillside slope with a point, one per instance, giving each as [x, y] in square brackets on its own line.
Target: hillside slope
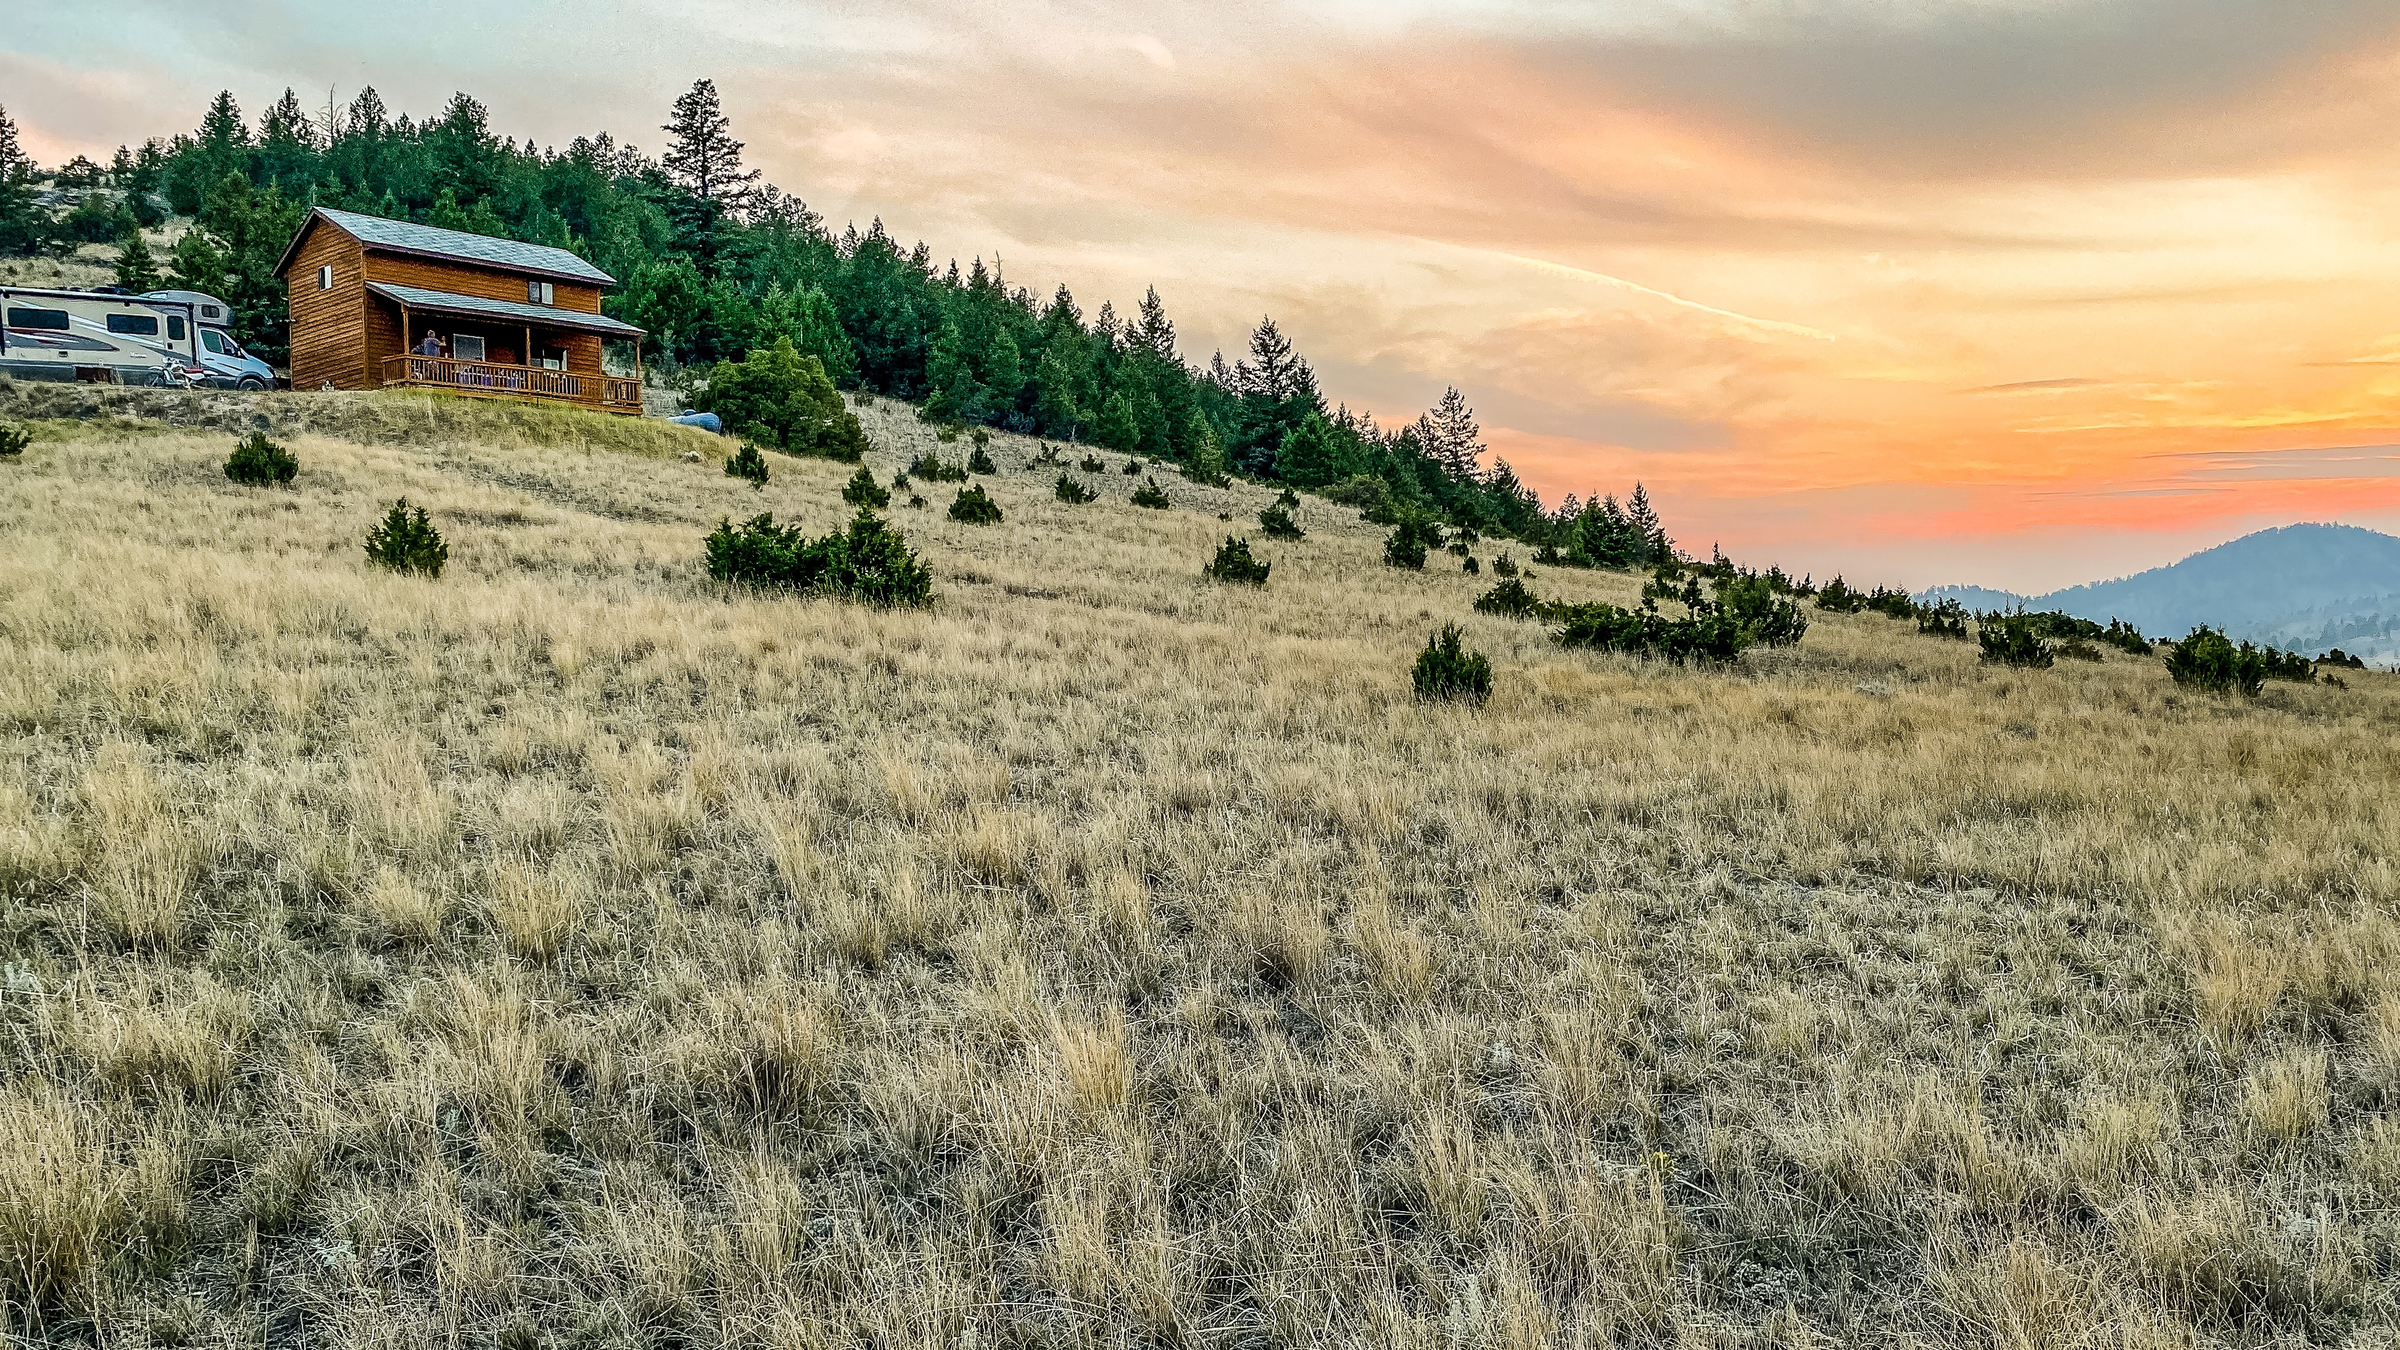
[569, 952]
[2300, 586]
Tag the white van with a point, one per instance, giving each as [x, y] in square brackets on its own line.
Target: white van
[226, 364]
[97, 338]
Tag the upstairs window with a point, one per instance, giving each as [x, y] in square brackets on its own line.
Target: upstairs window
[539, 293]
[325, 277]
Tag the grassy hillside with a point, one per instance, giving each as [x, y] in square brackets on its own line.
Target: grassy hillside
[569, 952]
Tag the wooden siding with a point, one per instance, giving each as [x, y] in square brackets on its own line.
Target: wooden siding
[328, 344]
[482, 282]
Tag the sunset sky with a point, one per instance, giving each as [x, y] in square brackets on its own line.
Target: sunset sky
[2014, 292]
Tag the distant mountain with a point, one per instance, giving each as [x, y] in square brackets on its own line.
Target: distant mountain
[2301, 587]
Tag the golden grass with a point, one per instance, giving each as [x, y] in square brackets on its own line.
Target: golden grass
[572, 952]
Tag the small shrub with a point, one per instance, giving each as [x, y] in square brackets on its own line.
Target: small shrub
[974, 508]
[2341, 660]
[1945, 620]
[1288, 500]
[1836, 597]
[916, 502]
[947, 434]
[1278, 523]
[1548, 556]
[14, 437]
[2076, 649]
[2207, 659]
[1471, 567]
[746, 463]
[1149, 495]
[1504, 565]
[1133, 468]
[2125, 638]
[1411, 537]
[1048, 459]
[1447, 670]
[1898, 605]
[2292, 666]
[1511, 599]
[933, 470]
[1765, 615]
[1092, 464]
[1233, 563]
[981, 438]
[257, 462]
[979, 462]
[863, 491]
[900, 481]
[1074, 493]
[405, 541]
[869, 562]
[2013, 640]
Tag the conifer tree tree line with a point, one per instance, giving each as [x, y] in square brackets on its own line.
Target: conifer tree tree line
[716, 263]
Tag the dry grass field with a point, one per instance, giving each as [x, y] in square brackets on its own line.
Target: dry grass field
[570, 952]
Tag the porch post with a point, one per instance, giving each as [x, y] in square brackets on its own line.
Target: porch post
[407, 344]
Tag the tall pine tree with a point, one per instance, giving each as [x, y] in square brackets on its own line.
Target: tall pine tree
[702, 157]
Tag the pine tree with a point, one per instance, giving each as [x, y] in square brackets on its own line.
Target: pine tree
[1451, 438]
[1313, 454]
[1205, 461]
[137, 271]
[704, 158]
[1274, 369]
[1118, 430]
[1054, 394]
[1644, 522]
[12, 154]
[1154, 334]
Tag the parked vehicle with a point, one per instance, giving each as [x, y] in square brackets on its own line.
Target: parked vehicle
[96, 338]
[226, 364]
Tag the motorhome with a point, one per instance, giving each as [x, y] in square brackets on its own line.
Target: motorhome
[97, 338]
[226, 364]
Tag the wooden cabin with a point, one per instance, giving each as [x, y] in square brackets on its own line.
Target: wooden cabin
[510, 320]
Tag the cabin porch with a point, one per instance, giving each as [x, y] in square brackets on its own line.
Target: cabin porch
[502, 350]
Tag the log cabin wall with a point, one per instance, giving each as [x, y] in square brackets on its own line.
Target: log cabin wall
[327, 324]
[482, 282]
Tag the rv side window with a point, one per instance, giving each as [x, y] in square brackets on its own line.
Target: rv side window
[135, 325]
[175, 328]
[325, 277]
[466, 347]
[52, 319]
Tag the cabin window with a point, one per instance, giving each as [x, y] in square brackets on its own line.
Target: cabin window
[539, 293]
[174, 328]
[137, 325]
[53, 319]
[466, 346]
[325, 277]
[554, 358]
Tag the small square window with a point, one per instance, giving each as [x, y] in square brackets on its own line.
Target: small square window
[325, 277]
[539, 293]
[466, 346]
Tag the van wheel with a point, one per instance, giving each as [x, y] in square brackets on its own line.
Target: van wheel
[249, 384]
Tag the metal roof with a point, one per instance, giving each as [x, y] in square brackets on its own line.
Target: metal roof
[409, 237]
[540, 316]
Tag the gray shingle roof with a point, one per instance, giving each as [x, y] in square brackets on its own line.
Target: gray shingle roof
[402, 234]
[540, 316]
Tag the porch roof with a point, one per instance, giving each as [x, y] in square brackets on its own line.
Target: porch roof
[504, 311]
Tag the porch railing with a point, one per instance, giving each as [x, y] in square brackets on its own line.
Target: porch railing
[488, 380]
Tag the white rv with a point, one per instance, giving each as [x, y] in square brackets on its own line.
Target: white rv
[226, 365]
[97, 338]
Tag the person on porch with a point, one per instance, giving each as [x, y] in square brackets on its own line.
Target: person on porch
[431, 346]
